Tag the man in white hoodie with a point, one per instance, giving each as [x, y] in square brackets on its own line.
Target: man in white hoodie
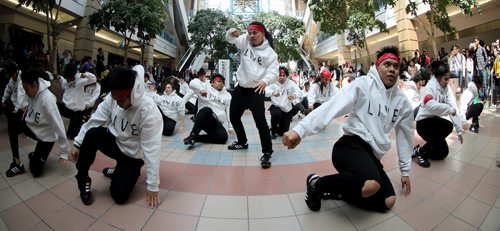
[213, 114]
[376, 107]
[282, 94]
[43, 122]
[133, 133]
[73, 102]
[258, 69]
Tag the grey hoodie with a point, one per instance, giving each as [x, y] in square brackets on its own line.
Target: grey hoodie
[374, 112]
[137, 130]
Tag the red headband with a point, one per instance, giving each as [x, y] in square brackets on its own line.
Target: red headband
[217, 79]
[255, 27]
[386, 56]
[120, 94]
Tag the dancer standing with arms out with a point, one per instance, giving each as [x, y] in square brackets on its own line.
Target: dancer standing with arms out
[258, 69]
[376, 107]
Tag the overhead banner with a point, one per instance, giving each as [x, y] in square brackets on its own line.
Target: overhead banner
[224, 70]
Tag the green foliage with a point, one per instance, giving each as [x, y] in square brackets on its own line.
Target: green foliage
[128, 17]
[285, 31]
[208, 30]
[351, 16]
[131, 16]
[437, 15]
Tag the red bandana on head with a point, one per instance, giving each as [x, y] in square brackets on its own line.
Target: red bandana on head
[120, 94]
[217, 79]
[255, 27]
[386, 56]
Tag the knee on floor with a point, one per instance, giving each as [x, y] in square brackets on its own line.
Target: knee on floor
[369, 188]
[390, 201]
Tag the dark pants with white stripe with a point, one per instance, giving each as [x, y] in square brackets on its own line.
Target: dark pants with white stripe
[356, 163]
[127, 169]
[247, 98]
[434, 131]
[207, 121]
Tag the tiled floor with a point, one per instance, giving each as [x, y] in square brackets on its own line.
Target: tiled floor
[207, 187]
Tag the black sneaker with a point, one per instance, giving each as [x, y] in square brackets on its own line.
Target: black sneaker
[237, 146]
[415, 151]
[108, 172]
[274, 136]
[264, 161]
[189, 140]
[84, 187]
[15, 169]
[423, 161]
[474, 128]
[313, 199]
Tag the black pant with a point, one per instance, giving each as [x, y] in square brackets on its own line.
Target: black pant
[302, 107]
[356, 163]
[76, 119]
[127, 170]
[16, 126]
[280, 120]
[434, 131]
[247, 98]
[168, 125]
[473, 111]
[14, 121]
[207, 121]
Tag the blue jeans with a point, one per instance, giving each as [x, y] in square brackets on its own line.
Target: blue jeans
[485, 75]
[458, 74]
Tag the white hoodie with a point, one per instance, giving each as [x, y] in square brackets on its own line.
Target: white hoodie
[256, 63]
[285, 89]
[467, 99]
[92, 92]
[196, 85]
[219, 102]
[189, 95]
[374, 112]
[171, 105]
[412, 94]
[44, 120]
[137, 130]
[74, 92]
[15, 92]
[443, 104]
[316, 96]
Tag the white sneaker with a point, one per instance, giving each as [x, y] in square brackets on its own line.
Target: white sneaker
[493, 108]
